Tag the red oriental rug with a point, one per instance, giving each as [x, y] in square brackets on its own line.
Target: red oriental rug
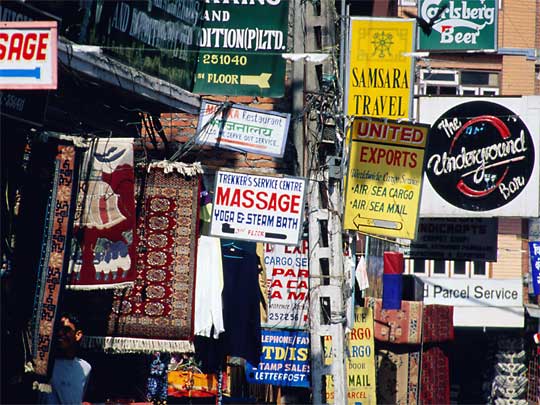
[157, 312]
[397, 325]
[103, 253]
[435, 377]
[54, 257]
[438, 323]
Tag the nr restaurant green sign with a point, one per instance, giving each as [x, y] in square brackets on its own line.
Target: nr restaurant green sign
[241, 43]
[458, 25]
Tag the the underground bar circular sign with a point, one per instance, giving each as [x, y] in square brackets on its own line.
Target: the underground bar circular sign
[480, 156]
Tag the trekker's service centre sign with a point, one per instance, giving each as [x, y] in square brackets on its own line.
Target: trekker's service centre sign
[258, 208]
[482, 157]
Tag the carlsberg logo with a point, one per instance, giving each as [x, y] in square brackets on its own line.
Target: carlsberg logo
[461, 21]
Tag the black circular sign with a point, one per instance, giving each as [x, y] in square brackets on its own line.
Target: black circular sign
[480, 156]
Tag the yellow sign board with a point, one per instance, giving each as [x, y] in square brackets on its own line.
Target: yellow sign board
[360, 360]
[384, 178]
[381, 70]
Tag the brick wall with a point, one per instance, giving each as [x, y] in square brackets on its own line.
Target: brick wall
[180, 127]
[517, 22]
[510, 257]
[518, 76]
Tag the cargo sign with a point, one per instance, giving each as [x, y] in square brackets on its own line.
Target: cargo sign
[380, 81]
[28, 55]
[284, 360]
[258, 208]
[469, 239]
[360, 359]
[534, 248]
[240, 48]
[469, 292]
[459, 25]
[242, 128]
[287, 276]
[384, 178]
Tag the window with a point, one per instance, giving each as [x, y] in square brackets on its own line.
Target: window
[479, 269]
[459, 268]
[439, 82]
[447, 268]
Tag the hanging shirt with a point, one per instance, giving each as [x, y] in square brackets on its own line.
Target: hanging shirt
[241, 300]
[208, 288]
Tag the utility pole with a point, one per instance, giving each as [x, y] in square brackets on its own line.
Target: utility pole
[314, 32]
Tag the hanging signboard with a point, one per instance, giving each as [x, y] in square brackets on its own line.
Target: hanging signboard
[258, 208]
[482, 156]
[360, 358]
[156, 37]
[381, 71]
[284, 359]
[384, 178]
[287, 275]
[242, 128]
[28, 55]
[534, 249]
[468, 292]
[241, 47]
[458, 25]
[469, 239]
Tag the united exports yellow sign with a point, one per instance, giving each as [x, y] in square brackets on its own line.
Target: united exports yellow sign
[381, 76]
[360, 359]
[384, 178]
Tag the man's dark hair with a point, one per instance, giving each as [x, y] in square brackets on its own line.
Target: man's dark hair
[73, 318]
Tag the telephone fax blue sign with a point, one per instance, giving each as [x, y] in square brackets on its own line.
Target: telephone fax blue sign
[284, 359]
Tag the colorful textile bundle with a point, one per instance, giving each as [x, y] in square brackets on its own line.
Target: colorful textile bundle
[54, 256]
[156, 314]
[438, 323]
[435, 379]
[397, 326]
[103, 254]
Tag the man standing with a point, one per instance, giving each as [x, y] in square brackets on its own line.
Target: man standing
[70, 373]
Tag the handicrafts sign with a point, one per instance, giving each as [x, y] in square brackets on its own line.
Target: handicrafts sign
[462, 25]
[481, 157]
[384, 179]
[241, 45]
[284, 360]
[243, 128]
[473, 239]
[287, 275]
[258, 208]
[380, 81]
[28, 55]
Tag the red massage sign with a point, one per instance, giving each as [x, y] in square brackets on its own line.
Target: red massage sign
[28, 55]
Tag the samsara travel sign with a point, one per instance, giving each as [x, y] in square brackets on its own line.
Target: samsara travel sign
[480, 156]
[461, 25]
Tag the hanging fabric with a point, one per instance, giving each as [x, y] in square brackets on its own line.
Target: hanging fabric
[103, 254]
[156, 314]
[54, 258]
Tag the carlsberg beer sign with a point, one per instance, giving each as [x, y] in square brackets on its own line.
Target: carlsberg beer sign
[462, 25]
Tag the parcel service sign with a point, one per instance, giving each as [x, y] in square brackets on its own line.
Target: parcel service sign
[384, 178]
[258, 208]
[28, 55]
[380, 67]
